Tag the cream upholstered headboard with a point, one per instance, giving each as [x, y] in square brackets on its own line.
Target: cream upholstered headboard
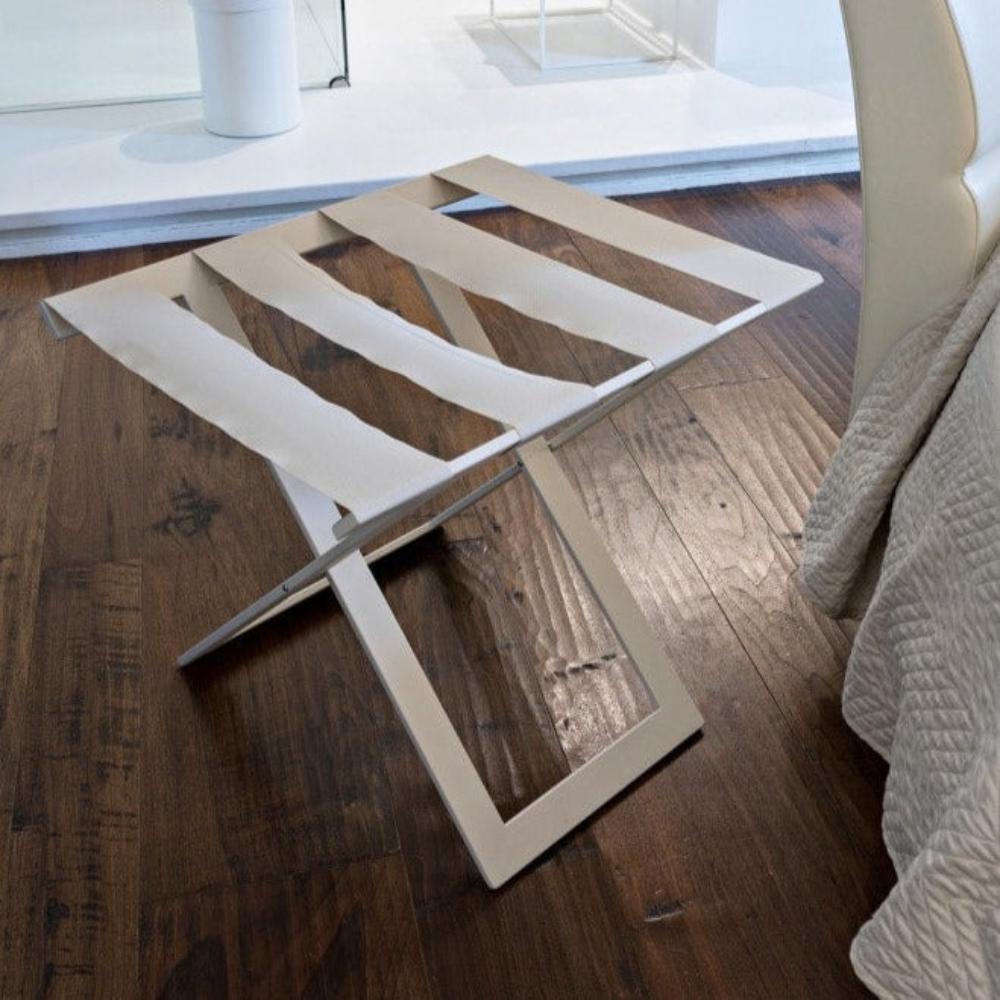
[927, 91]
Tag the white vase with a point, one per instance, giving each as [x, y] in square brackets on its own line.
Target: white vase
[248, 66]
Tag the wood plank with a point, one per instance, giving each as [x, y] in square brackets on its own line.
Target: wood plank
[263, 753]
[341, 932]
[30, 359]
[30, 377]
[78, 786]
[22, 911]
[800, 654]
[744, 563]
[94, 513]
[25, 469]
[774, 442]
[728, 845]
[650, 548]
[592, 694]
[850, 184]
[467, 600]
[813, 338]
[74, 831]
[825, 217]
[453, 597]
[290, 834]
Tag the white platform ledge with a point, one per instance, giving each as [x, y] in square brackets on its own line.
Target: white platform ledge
[91, 178]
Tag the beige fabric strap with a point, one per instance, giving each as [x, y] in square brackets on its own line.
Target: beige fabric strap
[536, 286]
[322, 444]
[736, 268]
[276, 274]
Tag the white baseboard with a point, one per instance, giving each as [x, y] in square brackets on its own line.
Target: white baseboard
[651, 174]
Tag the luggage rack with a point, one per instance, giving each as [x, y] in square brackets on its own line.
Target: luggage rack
[171, 323]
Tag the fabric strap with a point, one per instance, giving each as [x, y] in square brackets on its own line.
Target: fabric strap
[535, 286]
[260, 406]
[274, 273]
[734, 267]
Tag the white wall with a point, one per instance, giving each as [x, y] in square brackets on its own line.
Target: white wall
[658, 12]
[697, 27]
[768, 41]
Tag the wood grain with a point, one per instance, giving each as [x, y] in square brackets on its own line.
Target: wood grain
[604, 468]
[76, 816]
[96, 482]
[826, 217]
[264, 753]
[689, 838]
[813, 339]
[486, 658]
[342, 932]
[30, 360]
[773, 441]
[263, 826]
[30, 377]
[799, 653]
[70, 711]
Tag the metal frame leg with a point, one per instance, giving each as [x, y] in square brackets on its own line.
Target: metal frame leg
[506, 847]
[500, 848]
[313, 578]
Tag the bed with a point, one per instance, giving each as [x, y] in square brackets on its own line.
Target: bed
[905, 530]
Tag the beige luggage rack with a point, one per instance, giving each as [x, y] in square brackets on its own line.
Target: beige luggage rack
[323, 455]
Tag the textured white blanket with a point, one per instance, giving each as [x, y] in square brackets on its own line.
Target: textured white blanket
[907, 527]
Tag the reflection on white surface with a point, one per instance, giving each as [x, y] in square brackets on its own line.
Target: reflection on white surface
[59, 53]
[557, 37]
[183, 141]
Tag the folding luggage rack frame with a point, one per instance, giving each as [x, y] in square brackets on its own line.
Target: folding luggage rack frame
[322, 455]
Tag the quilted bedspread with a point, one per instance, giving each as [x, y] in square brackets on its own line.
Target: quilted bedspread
[905, 533]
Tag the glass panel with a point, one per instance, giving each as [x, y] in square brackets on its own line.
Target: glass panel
[60, 53]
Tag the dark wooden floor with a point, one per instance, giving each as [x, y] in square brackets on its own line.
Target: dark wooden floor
[263, 827]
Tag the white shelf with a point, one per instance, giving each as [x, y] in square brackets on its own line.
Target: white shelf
[425, 91]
